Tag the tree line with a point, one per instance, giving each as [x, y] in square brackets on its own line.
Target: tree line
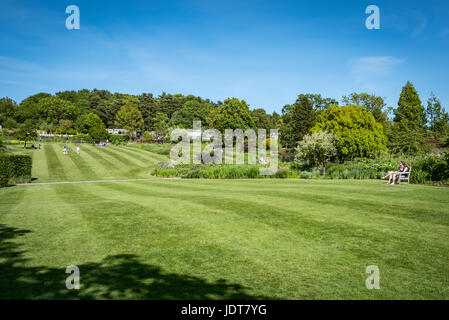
[363, 124]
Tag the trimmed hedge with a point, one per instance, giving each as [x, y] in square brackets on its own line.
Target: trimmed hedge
[20, 168]
[14, 168]
[4, 170]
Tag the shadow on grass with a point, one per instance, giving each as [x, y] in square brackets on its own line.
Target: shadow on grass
[115, 277]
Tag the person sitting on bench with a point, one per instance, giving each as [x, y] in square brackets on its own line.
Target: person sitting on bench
[400, 174]
[393, 175]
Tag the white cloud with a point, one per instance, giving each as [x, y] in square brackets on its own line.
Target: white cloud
[370, 67]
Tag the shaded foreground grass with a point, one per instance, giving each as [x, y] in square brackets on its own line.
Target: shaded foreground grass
[216, 239]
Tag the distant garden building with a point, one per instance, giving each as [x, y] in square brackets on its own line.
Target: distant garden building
[119, 132]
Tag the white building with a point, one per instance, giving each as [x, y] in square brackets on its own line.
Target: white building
[119, 132]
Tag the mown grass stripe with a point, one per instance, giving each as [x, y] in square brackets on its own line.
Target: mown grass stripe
[83, 166]
[154, 155]
[55, 167]
[107, 161]
[39, 166]
[72, 171]
[151, 156]
[125, 159]
[301, 207]
[385, 204]
[126, 164]
[216, 230]
[100, 167]
[139, 155]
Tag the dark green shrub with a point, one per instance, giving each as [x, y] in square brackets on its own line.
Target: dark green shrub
[419, 176]
[5, 170]
[306, 175]
[362, 169]
[20, 168]
[424, 169]
[313, 174]
[430, 169]
[225, 172]
[281, 174]
[165, 170]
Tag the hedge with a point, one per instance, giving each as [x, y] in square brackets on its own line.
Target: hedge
[14, 168]
[20, 168]
[4, 170]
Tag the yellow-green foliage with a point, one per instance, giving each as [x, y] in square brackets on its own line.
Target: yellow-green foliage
[359, 135]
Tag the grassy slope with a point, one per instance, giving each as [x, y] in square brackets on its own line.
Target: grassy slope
[93, 163]
[219, 239]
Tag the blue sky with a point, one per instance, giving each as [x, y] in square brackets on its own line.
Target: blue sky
[266, 52]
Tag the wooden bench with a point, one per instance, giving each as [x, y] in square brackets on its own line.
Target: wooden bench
[404, 177]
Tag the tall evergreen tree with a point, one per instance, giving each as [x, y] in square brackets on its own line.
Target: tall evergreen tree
[436, 116]
[146, 107]
[297, 119]
[168, 104]
[410, 113]
[407, 135]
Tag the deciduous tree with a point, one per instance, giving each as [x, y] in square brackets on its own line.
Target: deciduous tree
[192, 110]
[232, 114]
[27, 132]
[359, 134]
[129, 118]
[372, 103]
[316, 148]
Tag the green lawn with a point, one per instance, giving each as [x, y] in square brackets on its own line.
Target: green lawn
[93, 163]
[201, 239]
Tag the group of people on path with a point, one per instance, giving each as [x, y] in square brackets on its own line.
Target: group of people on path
[104, 144]
[393, 176]
[65, 150]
